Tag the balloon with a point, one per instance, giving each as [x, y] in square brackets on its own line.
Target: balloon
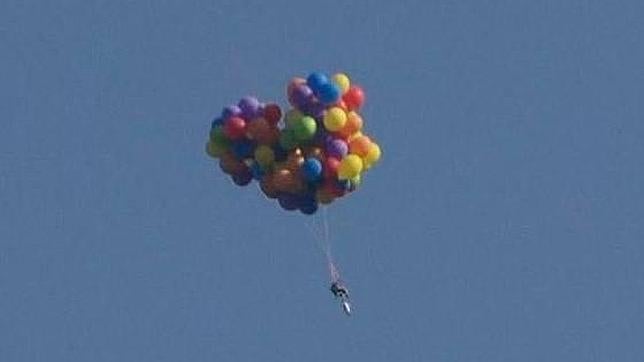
[360, 146]
[336, 147]
[316, 80]
[235, 128]
[214, 149]
[329, 93]
[311, 169]
[302, 95]
[308, 206]
[260, 130]
[324, 196]
[249, 107]
[243, 149]
[288, 140]
[354, 98]
[257, 171]
[218, 121]
[264, 156]
[342, 81]
[353, 125]
[292, 116]
[243, 177]
[268, 187]
[272, 114]
[350, 167]
[283, 180]
[372, 156]
[334, 119]
[330, 169]
[231, 111]
[287, 201]
[217, 135]
[304, 128]
[229, 164]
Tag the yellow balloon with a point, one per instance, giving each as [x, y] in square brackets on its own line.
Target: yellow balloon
[350, 167]
[264, 156]
[342, 81]
[355, 181]
[373, 155]
[334, 119]
[215, 149]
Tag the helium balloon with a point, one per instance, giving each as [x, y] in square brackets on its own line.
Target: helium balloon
[316, 80]
[311, 169]
[264, 156]
[272, 114]
[350, 167]
[334, 119]
[336, 147]
[353, 125]
[354, 98]
[304, 128]
[360, 146]
[235, 128]
[329, 93]
[372, 156]
[342, 81]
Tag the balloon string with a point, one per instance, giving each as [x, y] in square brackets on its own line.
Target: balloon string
[321, 235]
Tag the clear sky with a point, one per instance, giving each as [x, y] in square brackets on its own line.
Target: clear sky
[505, 222]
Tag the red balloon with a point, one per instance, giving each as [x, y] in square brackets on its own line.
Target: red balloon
[235, 128]
[353, 98]
[272, 113]
[330, 168]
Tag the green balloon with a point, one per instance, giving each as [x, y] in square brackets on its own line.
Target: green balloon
[304, 129]
[217, 136]
[287, 140]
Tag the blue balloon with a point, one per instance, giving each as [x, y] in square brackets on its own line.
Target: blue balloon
[218, 121]
[280, 153]
[287, 201]
[243, 149]
[231, 111]
[243, 178]
[329, 93]
[257, 171]
[316, 80]
[312, 169]
[308, 205]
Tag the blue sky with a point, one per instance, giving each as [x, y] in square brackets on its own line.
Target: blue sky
[505, 222]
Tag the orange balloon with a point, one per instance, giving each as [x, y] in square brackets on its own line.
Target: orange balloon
[283, 180]
[268, 186]
[258, 129]
[360, 146]
[324, 196]
[353, 125]
[229, 164]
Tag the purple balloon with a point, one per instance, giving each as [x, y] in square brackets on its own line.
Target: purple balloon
[231, 111]
[315, 109]
[250, 107]
[336, 147]
[302, 96]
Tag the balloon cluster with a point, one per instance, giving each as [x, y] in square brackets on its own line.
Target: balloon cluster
[315, 153]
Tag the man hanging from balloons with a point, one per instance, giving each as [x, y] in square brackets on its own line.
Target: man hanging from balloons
[315, 152]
